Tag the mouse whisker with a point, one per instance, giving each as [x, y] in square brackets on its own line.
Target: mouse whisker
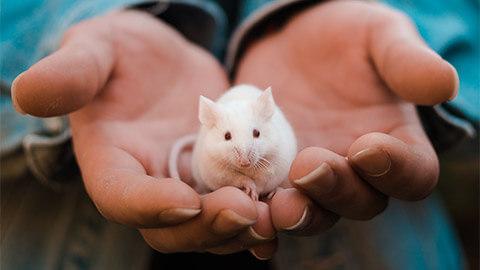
[265, 160]
[257, 166]
[263, 163]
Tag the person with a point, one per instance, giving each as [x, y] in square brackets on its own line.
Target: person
[346, 73]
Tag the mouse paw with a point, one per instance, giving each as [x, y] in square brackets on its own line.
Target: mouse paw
[251, 191]
[272, 193]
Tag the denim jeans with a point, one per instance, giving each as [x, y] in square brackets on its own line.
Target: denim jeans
[44, 229]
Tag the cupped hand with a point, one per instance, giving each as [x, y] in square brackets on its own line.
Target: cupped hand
[131, 85]
[348, 74]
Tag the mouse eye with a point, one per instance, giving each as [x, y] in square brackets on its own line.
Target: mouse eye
[228, 136]
[256, 133]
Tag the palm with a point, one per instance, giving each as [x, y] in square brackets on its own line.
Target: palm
[333, 116]
[151, 96]
[342, 96]
[133, 86]
[348, 74]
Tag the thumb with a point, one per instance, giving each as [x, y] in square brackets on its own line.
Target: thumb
[70, 77]
[407, 65]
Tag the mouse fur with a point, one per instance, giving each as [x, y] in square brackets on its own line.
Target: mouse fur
[244, 141]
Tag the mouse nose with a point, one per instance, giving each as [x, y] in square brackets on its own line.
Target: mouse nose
[243, 158]
[244, 162]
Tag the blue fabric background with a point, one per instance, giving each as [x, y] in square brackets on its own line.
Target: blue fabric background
[452, 28]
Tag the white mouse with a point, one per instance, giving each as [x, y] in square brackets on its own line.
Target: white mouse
[244, 141]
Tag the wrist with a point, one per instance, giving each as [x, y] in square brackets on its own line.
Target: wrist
[263, 22]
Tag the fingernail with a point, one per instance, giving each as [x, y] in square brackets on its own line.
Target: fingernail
[228, 221]
[457, 84]
[255, 235]
[302, 223]
[252, 251]
[373, 161]
[14, 95]
[178, 214]
[323, 179]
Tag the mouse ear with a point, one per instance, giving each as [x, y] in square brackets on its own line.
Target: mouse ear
[264, 106]
[207, 112]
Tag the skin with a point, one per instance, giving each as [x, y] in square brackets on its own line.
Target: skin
[355, 118]
[127, 98]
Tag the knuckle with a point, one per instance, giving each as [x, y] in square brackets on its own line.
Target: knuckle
[106, 213]
[159, 246]
[374, 210]
[421, 182]
[387, 15]
[201, 243]
[423, 191]
[72, 31]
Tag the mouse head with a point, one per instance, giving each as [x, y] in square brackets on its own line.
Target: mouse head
[240, 131]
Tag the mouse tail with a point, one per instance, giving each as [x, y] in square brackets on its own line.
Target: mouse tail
[177, 148]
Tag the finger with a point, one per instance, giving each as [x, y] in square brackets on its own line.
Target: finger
[262, 232]
[226, 213]
[124, 193]
[295, 213]
[328, 179]
[406, 169]
[265, 251]
[408, 66]
[70, 77]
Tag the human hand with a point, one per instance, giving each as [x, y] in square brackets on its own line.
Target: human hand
[131, 84]
[348, 74]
